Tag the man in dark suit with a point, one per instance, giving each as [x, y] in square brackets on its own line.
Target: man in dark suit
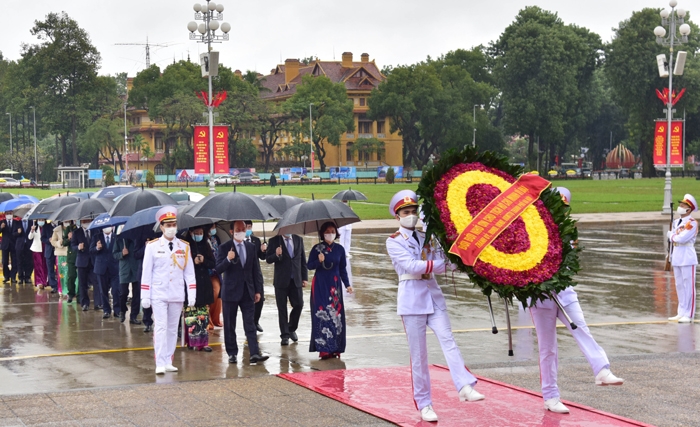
[8, 248]
[291, 274]
[83, 262]
[241, 287]
[107, 270]
[46, 233]
[22, 244]
[260, 250]
[128, 267]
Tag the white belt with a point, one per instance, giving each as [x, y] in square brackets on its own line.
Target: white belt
[684, 244]
[403, 277]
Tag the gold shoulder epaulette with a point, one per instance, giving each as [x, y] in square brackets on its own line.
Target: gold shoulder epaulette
[395, 235]
[152, 240]
[185, 242]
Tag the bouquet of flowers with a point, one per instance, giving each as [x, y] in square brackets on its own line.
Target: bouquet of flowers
[530, 256]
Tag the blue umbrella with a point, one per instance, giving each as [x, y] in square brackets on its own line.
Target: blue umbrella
[22, 199]
[141, 218]
[106, 220]
[114, 191]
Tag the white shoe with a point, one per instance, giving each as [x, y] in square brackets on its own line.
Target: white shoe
[170, 368]
[674, 318]
[469, 394]
[428, 414]
[605, 377]
[555, 405]
[685, 319]
[160, 370]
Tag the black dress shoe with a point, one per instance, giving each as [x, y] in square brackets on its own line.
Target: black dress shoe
[70, 300]
[285, 341]
[258, 327]
[258, 358]
[293, 336]
[207, 349]
[232, 360]
[135, 322]
[122, 317]
[98, 307]
[85, 308]
[148, 328]
[106, 315]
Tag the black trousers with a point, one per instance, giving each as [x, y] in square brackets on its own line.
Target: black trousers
[84, 274]
[9, 257]
[247, 306]
[258, 309]
[135, 298]
[25, 262]
[296, 299]
[110, 283]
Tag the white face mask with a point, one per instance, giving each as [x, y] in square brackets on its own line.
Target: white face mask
[170, 232]
[409, 221]
[682, 211]
[41, 223]
[329, 237]
[239, 236]
[85, 225]
[107, 230]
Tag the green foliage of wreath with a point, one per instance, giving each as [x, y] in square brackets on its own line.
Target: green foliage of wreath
[568, 232]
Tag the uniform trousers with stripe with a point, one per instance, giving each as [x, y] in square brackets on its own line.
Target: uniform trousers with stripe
[439, 322]
[544, 316]
[685, 288]
[166, 317]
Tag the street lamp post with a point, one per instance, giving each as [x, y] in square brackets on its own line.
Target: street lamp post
[311, 140]
[210, 13]
[673, 19]
[474, 134]
[126, 148]
[36, 165]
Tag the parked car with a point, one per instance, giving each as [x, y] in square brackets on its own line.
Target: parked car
[226, 179]
[248, 177]
[9, 182]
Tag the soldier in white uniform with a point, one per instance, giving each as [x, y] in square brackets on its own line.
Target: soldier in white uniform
[544, 316]
[421, 303]
[684, 259]
[167, 270]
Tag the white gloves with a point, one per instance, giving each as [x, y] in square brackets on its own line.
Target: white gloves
[146, 302]
[190, 304]
[669, 235]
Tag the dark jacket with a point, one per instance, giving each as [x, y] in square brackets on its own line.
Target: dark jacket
[83, 258]
[46, 233]
[21, 240]
[287, 267]
[129, 266]
[205, 290]
[261, 254]
[105, 264]
[237, 277]
[7, 241]
[72, 253]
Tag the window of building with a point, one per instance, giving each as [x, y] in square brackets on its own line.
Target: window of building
[136, 120]
[380, 126]
[160, 147]
[365, 127]
[363, 102]
[349, 154]
[381, 155]
[159, 169]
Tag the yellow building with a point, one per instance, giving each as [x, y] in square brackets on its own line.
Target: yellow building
[359, 78]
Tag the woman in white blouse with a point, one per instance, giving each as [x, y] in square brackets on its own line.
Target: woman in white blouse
[37, 248]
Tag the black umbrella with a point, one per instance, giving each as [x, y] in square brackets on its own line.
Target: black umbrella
[139, 200]
[185, 220]
[349, 194]
[48, 206]
[6, 196]
[234, 207]
[282, 203]
[114, 191]
[86, 208]
[308, 217]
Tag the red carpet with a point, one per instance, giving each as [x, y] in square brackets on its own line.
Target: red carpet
[386, 393]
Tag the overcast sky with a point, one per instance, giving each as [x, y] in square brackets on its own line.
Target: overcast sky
[393, 32]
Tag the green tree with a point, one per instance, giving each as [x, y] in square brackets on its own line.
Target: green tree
[240, 111]
[295, 150]
[272, 121]
[332, 112]
[631, 69]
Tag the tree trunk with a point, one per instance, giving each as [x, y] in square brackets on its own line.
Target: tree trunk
[530, 148]
[73, 135]
[320, 155]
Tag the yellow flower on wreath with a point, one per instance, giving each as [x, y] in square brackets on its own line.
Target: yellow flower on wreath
[535, 227]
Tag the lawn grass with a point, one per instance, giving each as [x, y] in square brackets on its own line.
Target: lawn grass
[625, 195]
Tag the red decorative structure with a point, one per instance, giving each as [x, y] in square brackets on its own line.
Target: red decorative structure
[664, 96]
[215, 102]
[620, 157]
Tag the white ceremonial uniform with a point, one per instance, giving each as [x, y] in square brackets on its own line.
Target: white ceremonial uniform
[544, 316]
[420, 303]
[684, 260]
[346, 241]
[163, 280]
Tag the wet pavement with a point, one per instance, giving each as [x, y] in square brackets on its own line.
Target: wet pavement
[48, 346]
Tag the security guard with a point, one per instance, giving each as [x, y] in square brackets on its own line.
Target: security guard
[167, 270]
[544, 316]
[684, 259]
[421, 303]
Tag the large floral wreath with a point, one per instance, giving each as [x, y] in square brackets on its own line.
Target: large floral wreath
[531, 258]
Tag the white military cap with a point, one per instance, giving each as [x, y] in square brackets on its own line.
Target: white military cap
[690, 201]
[402, 199]
[166, 214]
[565, 194]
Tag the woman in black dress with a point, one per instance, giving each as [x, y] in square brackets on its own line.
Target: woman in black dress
[197, 318]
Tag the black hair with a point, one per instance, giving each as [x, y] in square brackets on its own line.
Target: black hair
[325, 226]
[248, 222]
